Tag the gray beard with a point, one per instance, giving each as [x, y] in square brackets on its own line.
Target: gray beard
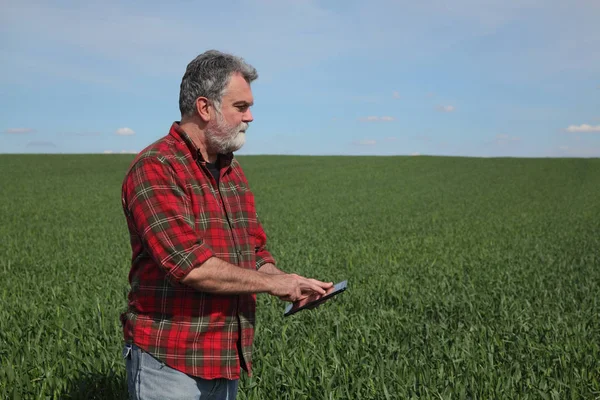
[224, 139]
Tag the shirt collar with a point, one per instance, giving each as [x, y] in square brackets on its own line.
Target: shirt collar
[181, 136]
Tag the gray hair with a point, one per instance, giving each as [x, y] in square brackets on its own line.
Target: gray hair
[208, 76]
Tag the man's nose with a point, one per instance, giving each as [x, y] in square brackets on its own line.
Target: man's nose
[248, 116]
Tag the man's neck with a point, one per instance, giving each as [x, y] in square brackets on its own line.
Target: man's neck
[197, 136]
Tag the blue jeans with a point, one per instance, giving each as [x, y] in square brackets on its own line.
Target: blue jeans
[149, 378]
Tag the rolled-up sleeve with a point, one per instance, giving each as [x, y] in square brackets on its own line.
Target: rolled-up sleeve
[159, 209]
[262, 254]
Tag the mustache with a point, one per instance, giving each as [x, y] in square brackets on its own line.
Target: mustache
[243, 126]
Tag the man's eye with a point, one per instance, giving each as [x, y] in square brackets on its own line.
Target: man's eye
[242, 108]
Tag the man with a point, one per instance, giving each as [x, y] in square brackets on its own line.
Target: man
[199, 255]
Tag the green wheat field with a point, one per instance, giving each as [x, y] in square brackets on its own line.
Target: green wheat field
[468, 278]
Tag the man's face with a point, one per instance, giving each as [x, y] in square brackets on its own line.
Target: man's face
[226, 131]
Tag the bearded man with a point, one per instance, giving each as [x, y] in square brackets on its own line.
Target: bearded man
[198, 249]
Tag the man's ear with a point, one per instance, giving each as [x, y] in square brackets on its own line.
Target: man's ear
[203, 108]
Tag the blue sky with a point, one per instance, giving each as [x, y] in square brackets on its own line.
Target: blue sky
[464, 77]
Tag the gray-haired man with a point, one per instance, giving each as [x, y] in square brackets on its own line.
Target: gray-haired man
[198, 249]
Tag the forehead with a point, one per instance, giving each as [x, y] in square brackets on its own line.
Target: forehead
[238, 90]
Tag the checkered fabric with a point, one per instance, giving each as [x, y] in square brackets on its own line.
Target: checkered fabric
[178, 218]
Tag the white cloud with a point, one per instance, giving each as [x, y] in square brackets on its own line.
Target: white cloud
[125, 131]
[373, 118]
[583, 128]
[446, 109]
[415, 154]
[365, 142]
[396, 95]
[18, 131]
[107, 152]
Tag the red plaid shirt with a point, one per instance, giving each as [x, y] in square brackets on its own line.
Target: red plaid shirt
[178, 219]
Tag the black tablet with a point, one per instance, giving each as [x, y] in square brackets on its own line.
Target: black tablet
[315, 300]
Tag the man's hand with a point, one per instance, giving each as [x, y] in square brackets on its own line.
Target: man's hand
[292, 287]
[220, 277]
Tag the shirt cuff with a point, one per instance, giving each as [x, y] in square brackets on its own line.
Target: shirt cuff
[263, 259]
[188, 262]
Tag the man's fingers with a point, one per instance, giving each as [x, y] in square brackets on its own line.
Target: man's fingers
[322, 286]
[315, 287]
[295, 287]
[295, 298]
[326, 285]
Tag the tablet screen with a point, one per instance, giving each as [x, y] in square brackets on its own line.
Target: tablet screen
[316, 299]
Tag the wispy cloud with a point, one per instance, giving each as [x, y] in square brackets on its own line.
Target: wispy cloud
[125, 131]
[18, 131]
[502, 139]
[446, 109]
[583, 128]
[373, 118]
[369, 119]
[135, 35]
[40, 143]
[396, 95]
[578, 151]
[365, 142]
